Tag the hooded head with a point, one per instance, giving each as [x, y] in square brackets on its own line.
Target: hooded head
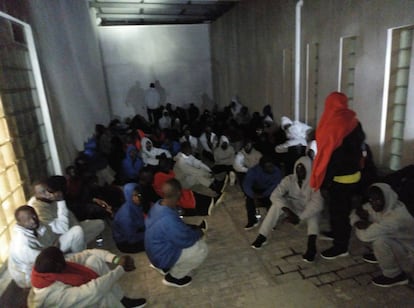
[312, 149]
[129, 191]
[224, 142]
[382, 198]
[336, 101]
[146, 144]
[302, 170]
[285, 122]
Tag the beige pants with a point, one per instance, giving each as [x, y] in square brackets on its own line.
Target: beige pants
[73, 240]
[275, 213]
[190, 259]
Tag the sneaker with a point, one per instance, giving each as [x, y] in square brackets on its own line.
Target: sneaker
[386, 282]
[203, 226]
[370, 258]
[159, 270]
[211, 207]
[251, 225]
[258, 215]
[174, 282]
[309, 256]
[326, 236]
[259, 242]
[133, 302]
[333, 253]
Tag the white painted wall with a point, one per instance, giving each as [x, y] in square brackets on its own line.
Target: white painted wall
[177, 56]
[249, 40]
[71, 70]
[369, 20]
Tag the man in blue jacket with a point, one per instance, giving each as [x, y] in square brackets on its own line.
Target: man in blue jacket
[170, 244]
[258, 185]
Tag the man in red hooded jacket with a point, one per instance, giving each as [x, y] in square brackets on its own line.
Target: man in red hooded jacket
[336, 168]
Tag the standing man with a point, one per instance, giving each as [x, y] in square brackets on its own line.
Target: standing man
[170, 244]
[336, 168]
[152, 102]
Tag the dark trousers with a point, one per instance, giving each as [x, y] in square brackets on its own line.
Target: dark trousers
[222, 168]
[153, 115]
[208, 155]
[202, 205]
[340, 206]
[131, 247]
[251, 207]
[240, 178]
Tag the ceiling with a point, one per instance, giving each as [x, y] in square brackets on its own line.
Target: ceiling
[158, 12]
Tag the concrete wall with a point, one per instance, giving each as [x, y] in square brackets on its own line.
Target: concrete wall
[177, 57]
[248, 44]
[247, 54]
[71, 67]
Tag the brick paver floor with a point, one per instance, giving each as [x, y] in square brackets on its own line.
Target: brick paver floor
[235, 275]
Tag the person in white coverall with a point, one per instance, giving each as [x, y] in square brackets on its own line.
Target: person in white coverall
[296, 133]
[386, 223]
[30, 236]
[297, 201]
[82, 280]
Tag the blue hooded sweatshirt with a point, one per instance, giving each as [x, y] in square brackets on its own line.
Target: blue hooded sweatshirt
[258, 180]
[128, 225]
[166, 235]
[174, 149]
[130, 168]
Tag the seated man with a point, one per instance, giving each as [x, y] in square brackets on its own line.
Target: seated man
[386, 223]
[191, 171]
[30, 236]
[245, 159]
[223, 156]
[82, 280]
[258, 184]
[296, 133]
[151, 154]
[128, 227]
[131, 165]
[208, 141]
[170, 244]
[48, 200]
[191, 203]
[294, 198]
[187, 137]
